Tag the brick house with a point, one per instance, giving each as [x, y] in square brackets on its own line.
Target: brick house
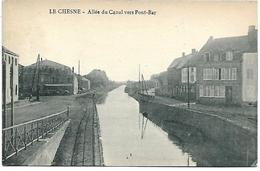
[54, 79]
[220, 72]
[178, 76]
[10, 59]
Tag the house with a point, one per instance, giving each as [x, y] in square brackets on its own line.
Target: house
[9, 75]
[182, 75]
[162, 85]
[53, 79]
[224, 69]
[84, 83]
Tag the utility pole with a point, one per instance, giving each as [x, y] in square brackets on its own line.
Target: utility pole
[139, 83]
[79, 67]
[4, 93]
[38, 78]
[188, 80]
[12, 97]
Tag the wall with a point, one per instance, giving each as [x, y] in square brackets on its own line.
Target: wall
[231, 137]
[15, 77]
[236, 84]
[249, 85]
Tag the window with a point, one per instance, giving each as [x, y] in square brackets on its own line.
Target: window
[15, 61]
[249, 74]
[5, 56]
[234, 74]
[212, 91]
[228, 73]
[184, 75]
[229, 55]
[16, 90]
[9, 59]
[201, 91]
[210, 74]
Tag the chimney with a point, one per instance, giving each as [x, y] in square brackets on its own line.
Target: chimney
[41, 59]
[252, 38]
[193, 51]
[72, 69]
[183, 54]
[251, 28]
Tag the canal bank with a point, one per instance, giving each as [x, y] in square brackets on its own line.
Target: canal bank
[81, 145]
[231, 136]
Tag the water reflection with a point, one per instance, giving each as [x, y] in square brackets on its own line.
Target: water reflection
[131, 139]
[201, 149]
[144, 123]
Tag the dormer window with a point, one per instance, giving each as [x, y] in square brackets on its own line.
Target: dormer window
[229, 55]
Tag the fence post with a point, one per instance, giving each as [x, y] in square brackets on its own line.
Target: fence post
[37, 130]
[24, 136]
[15, 142]
[32, 132]
[42, 129]
[3, 147]
[68, 112]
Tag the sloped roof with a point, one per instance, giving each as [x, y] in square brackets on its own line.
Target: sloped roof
[5, 50]
[246, 43]
[239, 43]
[50, 64]
[183, 61]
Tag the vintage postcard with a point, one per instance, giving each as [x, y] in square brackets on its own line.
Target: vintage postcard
[129, 83]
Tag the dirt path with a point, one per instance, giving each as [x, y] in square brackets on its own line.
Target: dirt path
[81, 145]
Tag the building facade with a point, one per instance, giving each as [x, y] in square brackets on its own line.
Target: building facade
[182, 77]
[83, 84]
[249, 77]
[162, 84]
[53, 79]
[10, 60]
[219, 73]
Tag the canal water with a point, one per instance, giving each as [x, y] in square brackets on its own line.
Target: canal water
[130, 139]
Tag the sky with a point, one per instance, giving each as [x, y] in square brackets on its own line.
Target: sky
[119, 43]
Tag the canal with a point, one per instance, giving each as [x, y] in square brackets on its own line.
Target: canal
[129, 139]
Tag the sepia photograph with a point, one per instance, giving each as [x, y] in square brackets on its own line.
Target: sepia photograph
[151, 83]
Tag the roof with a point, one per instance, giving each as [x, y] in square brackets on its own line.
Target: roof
[5, 50]
[246, 43]
[51, 64]
[183, 61]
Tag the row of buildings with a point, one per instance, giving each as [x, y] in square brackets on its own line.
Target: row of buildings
[223, 71]
[45, 76]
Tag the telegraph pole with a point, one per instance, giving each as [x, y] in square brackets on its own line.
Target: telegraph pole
[12, 97]
[79, 67]
[188, 80]
[38, 78]
[4, 94]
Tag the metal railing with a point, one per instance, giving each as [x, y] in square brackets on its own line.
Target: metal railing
[18, 137]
